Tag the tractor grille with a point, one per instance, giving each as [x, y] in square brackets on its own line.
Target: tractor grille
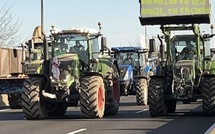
[185, 67]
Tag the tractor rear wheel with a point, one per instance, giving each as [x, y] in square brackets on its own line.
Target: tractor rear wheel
[157, 105]
[92, 97]
[33, 106]
[208, 94]
[141, 87]
[113, 92]
[15, 101]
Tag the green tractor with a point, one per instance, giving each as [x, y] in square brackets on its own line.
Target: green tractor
[183, 74]
[73, 69]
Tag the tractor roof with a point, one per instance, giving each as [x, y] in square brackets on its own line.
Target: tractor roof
[75, 31]
[188, 37]
[129, 49]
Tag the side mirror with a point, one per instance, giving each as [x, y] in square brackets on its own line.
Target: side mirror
[14, 53]
[152, 45]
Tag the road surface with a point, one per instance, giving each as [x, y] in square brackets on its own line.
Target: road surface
[131, 119]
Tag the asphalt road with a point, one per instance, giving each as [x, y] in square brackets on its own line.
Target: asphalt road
[131, 119]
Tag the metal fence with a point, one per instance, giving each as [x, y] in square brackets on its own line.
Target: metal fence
[8, 63]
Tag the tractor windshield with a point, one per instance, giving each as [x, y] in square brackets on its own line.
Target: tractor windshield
[75, 43]
[63, 45]
[184, 46]
[131, 58]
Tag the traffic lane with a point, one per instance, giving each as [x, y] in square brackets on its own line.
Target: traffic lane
[130, 119]
[12, 121]
[187, 121]
[185, 125]
[71, 122]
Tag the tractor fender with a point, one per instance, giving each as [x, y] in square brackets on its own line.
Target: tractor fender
[109, 62]
[113, 60]
[116, 64]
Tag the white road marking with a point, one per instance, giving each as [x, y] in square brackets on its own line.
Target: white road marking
[3, 110]
[211, 130]
[77, 131]
[141, 111]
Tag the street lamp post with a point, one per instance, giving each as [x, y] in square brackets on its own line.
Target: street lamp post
[42, 17]
[45, 43]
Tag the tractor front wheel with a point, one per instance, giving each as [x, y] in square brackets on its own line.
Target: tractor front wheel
[15, 101]
[141, 87]
[157, 105]
[57, 108]
[208, 94]
[171, 106]
[33, 106]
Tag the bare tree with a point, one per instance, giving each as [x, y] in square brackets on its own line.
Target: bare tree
[8, 27]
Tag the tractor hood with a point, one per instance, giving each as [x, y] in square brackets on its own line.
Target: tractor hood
[126, 72]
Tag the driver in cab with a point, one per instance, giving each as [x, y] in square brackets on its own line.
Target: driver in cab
[189, 50]
[129, 59]
[78, 45]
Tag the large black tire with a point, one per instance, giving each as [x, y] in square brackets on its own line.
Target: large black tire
[74, 95]
[15, 101]
[113, 92]
[92, 97]
[157, 106]
[141, 87]
[208, 94]
[171, 106]
[33, 106]
[57, 108]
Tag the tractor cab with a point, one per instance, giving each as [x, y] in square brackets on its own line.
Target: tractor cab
[133, 72]
[74, 49]
[133, 56]
[76, 41]
[184, 47]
